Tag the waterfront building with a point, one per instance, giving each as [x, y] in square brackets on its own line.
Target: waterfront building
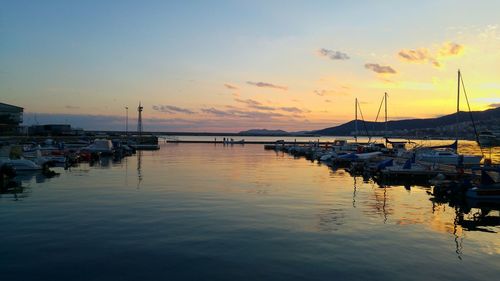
[11, 117]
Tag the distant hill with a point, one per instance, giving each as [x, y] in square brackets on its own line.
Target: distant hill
[443, 125]
[263, 132]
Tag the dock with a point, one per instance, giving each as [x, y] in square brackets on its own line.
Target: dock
[269, 144]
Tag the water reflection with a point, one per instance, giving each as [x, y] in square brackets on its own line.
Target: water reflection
[354, 193]
[247, 206]
[18, 185]
[13, 189]
[139, 168]
[331, 219]
[379, 203]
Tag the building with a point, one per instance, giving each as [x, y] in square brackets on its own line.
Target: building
[11, 117]
[50, 130]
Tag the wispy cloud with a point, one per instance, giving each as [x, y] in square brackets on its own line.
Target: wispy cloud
[172, 109]
[255, 104]
[381, 69]
[71, 107]
[425, 55]
[216, 112]
[450, 49]
[230, 87]
[267, 85]
[291, 109]
[494, 105]
[259, 106]
[241, 113]
[249, 102]
[323, 92]
[421, 55]
[333, 55]
[215, 120]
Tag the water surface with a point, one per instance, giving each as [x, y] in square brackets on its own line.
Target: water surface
[214, 212]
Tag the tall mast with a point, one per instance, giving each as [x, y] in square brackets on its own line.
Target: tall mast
[126, 121]
[385, 130]
[139, 119]
[458, 105]
[385, 100]
[356, 119]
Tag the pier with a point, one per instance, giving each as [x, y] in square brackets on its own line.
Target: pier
[272, 144]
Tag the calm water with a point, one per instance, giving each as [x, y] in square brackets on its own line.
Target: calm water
[206, 212]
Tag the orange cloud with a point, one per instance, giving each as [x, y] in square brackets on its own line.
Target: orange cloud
[450, 49]
[421, 55]
[424, 55]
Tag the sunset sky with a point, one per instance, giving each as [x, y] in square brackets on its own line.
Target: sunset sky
[226, 66]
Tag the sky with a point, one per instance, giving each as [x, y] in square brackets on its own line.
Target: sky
[228, 66]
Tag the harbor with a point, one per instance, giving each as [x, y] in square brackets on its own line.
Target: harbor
[249, 140]
[243, 198]
[218, 196]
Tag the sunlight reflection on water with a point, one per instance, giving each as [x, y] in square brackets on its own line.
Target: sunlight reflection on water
[201, 211]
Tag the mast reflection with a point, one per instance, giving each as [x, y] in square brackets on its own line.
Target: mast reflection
[139, 168]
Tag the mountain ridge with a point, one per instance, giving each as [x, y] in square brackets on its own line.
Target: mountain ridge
[443, 125]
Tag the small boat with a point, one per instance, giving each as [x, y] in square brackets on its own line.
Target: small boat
[489, 138]
[238, 141]
[36, 155]
[367, 155]
[448, 157]
[489, 185]
[409, 167]
[102, 146]
[20, 164]
[409, 173]
[17, 164]
[448, 154]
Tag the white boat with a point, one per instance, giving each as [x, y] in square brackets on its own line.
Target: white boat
[36, 156]
[100, 146]
[448, 157]
[20, 164]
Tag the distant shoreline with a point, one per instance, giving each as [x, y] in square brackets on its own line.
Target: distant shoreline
[118, 134]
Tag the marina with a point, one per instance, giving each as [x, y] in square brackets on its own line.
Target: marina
[249, 140]
[216, 201]
[193, 196]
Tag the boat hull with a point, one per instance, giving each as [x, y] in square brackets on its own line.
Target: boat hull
[451, 160]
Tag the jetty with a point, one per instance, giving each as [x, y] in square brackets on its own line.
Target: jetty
[268, 144]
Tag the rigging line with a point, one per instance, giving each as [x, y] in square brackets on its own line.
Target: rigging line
[471, 117]
[378, 113]
[376, 118]
[364, 122]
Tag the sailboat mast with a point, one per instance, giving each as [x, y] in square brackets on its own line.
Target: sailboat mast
[458, 105]
[356, 119]
[385, 101]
